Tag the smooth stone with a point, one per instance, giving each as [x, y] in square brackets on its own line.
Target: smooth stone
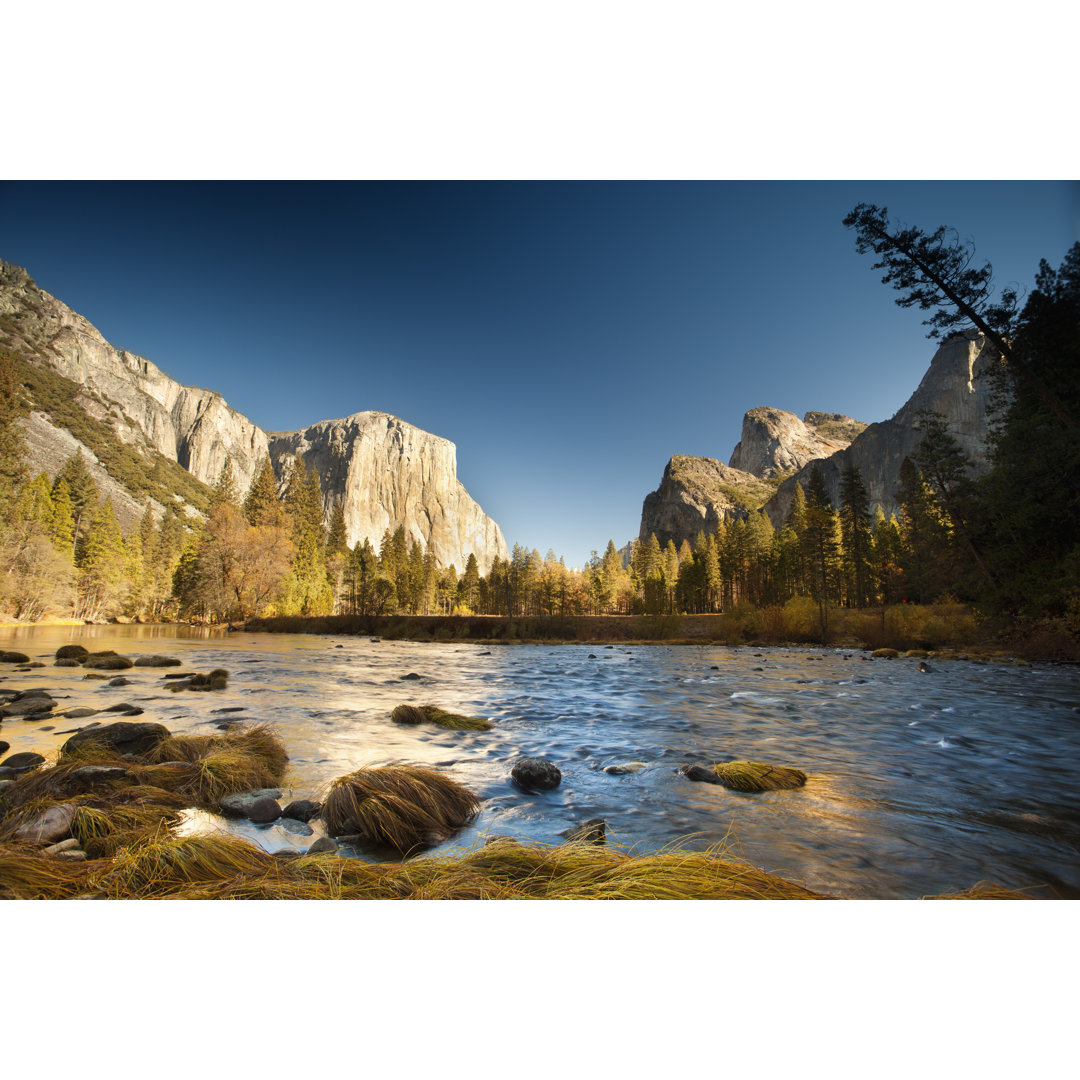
[696, 772]
[14, 658]
[4, 746]
[124, 707]
[238, 804]
[536, 774]
[67, 663]
[263, 811]
[92, 775]
[412, 675]
[75, 854]
[301, 810]
[21, 762]
[323, 846]
[48, 827]
[290, 825]
[79, 713]
[124, 736]
[28, 705]
[157, 660]
[120, 680]
[64, 845]
[623, 770]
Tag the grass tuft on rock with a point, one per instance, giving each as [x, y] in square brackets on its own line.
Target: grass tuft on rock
[434, 714]
[755, 776]
[403, 807]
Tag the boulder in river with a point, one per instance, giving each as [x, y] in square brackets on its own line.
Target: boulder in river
[156, 660]
[22, 762]
[28, 703]
[302, 810]
[884, 654]
[14, 658]
[123, 736]
[536, 774]
[323, 846]
[593, 831]
[68, 663]
[218, 679]
[72, 652]
[263, 811]
[108, 661]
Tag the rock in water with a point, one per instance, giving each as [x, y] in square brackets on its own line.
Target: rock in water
[72, 652]
[264, 810]
[536, 774]
[123, 736]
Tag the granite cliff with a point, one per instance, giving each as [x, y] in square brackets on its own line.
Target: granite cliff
[777, 450]
[384, 471]
[388, 473]
[952, 387]
[775, 442]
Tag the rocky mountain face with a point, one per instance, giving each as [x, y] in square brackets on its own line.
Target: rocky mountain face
[774, 441]
[409, 479]
[952, 387]
[697, 493]
[389, 473]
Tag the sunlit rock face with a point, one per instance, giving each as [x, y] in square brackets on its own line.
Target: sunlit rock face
[695, 495]
[388, 473]
[385, 472]
[774, 441]
[954, 387]
[139, 401]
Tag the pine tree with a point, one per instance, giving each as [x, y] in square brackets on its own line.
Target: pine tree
[12, 445]
[82, 491]
[225, 490]
[100, 558]
[63, 526]
[856, 538]
[337, 542]
[821, 546]
[261, 504]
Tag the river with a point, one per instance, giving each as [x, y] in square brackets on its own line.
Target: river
[919, 782]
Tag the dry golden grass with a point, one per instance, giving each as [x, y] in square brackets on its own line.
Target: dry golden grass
[27, 874]
[404, 807]
[989, 890]
[434, 714]
[755, 776]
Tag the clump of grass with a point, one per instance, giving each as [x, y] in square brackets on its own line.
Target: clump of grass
[104, 832]
[239, 760]
[417, 714]
[161, 864]
[26, 874]
[987, 890]
[403, 807]
[756, 776]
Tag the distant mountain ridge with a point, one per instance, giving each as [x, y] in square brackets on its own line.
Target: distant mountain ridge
[194, 427]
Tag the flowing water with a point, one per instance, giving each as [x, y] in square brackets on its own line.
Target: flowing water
[920, 783]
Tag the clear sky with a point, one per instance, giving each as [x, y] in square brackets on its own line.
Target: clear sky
[569, 337]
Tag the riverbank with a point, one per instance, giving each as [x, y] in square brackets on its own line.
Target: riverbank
[939, 628]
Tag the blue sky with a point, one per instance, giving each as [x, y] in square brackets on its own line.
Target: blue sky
[569, 337]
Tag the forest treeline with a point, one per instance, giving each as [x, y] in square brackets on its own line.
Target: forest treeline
[1007, 542]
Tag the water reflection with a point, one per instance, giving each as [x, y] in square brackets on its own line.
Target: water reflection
[919, 783]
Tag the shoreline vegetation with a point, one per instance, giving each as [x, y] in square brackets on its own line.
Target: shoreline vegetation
[951, 630]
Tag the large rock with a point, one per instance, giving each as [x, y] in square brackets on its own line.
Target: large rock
[23, 761]
[72, 652]
[536, 774]
[387, 473]
[123, 736]
[108, 661]
[774, 441]
[28, 704]
[240, 804]
[952, 387]
[695, 495]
